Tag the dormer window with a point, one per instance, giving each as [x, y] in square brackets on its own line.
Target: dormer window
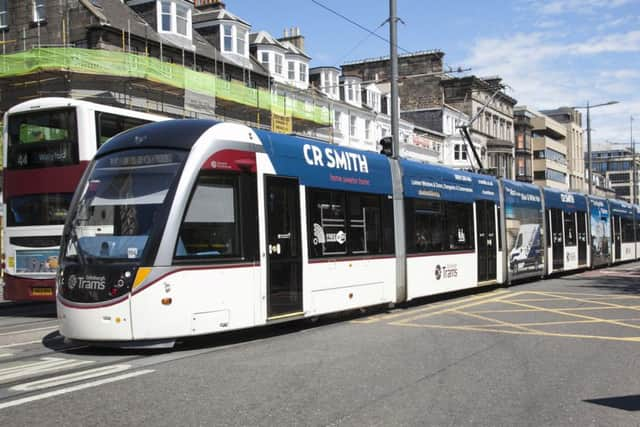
[303, 72]
[166, 16]
[182, 19]
[4, 13]
[265, 59]
[292, 70]
[241, 41]
[39, 11]
[234, 39]
[227, 37]
[174, 17]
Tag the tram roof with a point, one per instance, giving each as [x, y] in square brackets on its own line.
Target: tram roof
[430, 181]
[521, 194]
[176, 134]
[565, 200]
[318, 164]
[618, 207]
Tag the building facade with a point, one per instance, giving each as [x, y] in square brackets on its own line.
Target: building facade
[548, 142]
[523, 150]
[430, 97]
[484, 100]
[616, 166]
[572, 120]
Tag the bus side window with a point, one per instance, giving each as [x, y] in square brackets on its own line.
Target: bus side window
[108, 125]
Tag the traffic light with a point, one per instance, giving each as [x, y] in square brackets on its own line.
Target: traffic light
[386, 146]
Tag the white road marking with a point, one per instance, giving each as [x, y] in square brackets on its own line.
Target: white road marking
[32, 368]
[18, 344]
[61, 391]
[26, 331]
[69, 378]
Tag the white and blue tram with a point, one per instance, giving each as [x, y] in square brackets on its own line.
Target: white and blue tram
[192, 227]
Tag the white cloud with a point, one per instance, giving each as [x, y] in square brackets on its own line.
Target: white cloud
[556, 7]
[625, 42]
[539, 68]
[622, 74]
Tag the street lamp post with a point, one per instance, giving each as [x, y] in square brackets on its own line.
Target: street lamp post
[588, 107]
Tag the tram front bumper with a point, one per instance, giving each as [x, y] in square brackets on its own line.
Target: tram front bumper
[95, 323]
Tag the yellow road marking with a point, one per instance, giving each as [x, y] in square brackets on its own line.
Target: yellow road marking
[496, 297]
[584, 293]
[586, 300]
[500, 322]
[568, 322]
[539, 333]
[551, 310]
[384, 317]
[525, 310]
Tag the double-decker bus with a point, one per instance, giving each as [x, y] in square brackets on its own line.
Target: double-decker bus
[48, 144]
[192, 227]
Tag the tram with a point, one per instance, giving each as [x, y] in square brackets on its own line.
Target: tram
[191, 227]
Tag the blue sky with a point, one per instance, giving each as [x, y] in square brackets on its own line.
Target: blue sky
[551, 53]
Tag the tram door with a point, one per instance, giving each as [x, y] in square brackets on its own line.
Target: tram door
[557, 241]
[486, 240]
[284, 255]
[616, 230]
[582, 238]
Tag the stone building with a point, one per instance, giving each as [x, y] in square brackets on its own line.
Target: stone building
[523, 152]
[616, 165]
[428, 94]
[545, 146]
[572, 120]
[493, 127]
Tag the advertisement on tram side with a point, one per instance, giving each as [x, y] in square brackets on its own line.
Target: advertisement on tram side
[600, 231]
[524, 227]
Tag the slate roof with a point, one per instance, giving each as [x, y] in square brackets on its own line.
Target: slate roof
[219, 14]
[117, 15]
[264, 38]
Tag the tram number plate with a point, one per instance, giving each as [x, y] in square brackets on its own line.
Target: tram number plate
[42, 292]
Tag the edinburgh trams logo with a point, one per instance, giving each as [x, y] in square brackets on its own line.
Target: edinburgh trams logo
[90, 283]
[72, 282]
[438, 272]
[448, 271]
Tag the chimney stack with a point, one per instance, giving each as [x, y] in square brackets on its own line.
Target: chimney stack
[209, 4]
[293, 36]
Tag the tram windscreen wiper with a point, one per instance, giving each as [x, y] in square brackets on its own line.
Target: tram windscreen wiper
[75, 241]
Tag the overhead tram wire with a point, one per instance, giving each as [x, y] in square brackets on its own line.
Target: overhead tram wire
[357, 45]
[362, 27]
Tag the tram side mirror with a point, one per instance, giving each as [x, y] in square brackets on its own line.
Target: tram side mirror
[386, 146]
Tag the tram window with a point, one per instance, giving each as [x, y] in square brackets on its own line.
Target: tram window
[210, 228]
[627, 230]
[439, 226]
[345, 223]
[569, 229]
[548, 231]
[327, 219]
[364, 224]
[460, 225]
[499, 230]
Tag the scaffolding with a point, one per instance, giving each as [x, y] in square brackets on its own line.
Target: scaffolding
[201, 90]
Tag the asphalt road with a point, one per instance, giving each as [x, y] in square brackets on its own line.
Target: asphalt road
[563, 351]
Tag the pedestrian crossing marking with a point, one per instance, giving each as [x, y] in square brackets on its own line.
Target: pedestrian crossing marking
[37, 367]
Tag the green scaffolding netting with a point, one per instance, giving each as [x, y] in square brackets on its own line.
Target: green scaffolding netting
[123, 64]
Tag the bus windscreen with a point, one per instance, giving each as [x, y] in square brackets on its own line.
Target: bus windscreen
[42, 139]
